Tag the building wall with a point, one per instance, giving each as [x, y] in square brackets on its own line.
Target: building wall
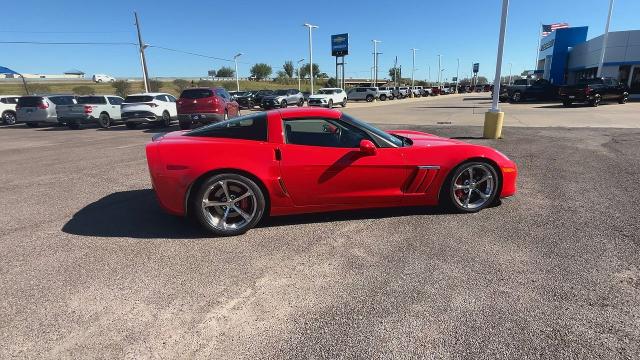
[554, 50]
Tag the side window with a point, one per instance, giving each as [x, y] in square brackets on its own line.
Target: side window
[249, 127]
[361, 90]
[323, 132]
[171, 98]
[115, 101]
[222, 93]
[3, 100]
[161, 98]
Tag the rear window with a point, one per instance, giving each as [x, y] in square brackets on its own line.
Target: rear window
[92, 100]
[248, 127]
[29, 101]
[62, 100]
[196, 93]
[138, 99]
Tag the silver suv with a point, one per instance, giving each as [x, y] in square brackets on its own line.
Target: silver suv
[363, 93]
[282, 99]
[36, 110]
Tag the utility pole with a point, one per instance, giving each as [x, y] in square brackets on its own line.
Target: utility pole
[413, 69]
[299, 85]
[458, 76]
[311, 27]
[395, 72]
[143, 60]
[494, 118]
[375, 62]
[439, 70]
[235, 60]
[510, 68]
[605, 37]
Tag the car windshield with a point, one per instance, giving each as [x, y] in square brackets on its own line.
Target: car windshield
[138, 99]
[327, 91]
[92, 100]
[385, 136]
[281, 92]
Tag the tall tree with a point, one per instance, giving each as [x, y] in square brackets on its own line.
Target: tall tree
[288, 68]
[304, 70]
[225, 72]
[261, 71]
[394, 73]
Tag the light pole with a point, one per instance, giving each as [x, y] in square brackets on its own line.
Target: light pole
[374, 78]
[299, 61]
[439, 70]
[311, 27]
[458, 76]
[605, 37]
[235, 61]
[494, 118]
[429, 77]
[510, 67]
[413, 68]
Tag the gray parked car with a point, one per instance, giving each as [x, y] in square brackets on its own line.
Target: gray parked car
[36, 110]
[282, 99]
[363, 93]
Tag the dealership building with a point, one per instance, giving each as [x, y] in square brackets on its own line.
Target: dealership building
[566, 56]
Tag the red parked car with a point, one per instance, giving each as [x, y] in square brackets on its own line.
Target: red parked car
[205, 106]
[435, 90]
[304, 160]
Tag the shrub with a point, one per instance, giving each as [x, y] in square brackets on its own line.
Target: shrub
[155, 85]
[181, 84]
[122, 88]
[84, 90]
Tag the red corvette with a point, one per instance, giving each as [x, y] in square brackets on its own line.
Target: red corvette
[230, 174]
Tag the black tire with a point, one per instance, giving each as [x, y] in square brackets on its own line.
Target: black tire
[131, 125]
[567, 103]
[448, 194]
[73, 126]
[104, 121]
[597, 98]
[516, 97]
[330, 104]
[185, 125]
[166, 119]
[235, 183]
[383, 97]
[369, 98]
[301, 102]
[9, 117]
[344, 103]
[32, 124]
[623, 99]
[284, 104]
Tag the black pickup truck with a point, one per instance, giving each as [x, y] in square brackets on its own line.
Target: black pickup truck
[593, 91]
[529, 89]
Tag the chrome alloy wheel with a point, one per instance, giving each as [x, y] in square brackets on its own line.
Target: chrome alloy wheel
[229, 205]
[474, 186]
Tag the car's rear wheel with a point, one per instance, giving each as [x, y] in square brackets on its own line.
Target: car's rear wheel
[166, 119]
[9, 117]
[283, 104]
[471, 187]
[596, 100]
[516, 97]
[330, 105]
[104, 121]
[369, 98]
[623, 99]
[228, 204]
[383, 97]
[344, 102]
[301, 102]
[131, 125]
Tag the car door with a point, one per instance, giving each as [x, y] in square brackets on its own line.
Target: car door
[114, 107]
[321, 164]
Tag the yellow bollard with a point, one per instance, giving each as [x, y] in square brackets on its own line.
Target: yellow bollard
[493, 125]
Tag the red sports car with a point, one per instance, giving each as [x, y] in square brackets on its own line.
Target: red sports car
[230, 174]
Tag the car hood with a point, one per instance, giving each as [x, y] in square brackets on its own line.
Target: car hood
[425, 140]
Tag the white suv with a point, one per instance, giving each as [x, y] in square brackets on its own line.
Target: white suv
[158, 108]
[103, 78]
[363, 93]
[8, 108]
[328, 97]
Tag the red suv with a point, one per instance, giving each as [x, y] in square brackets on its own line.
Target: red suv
[205, 105]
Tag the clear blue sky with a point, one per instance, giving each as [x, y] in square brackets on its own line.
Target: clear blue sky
[272, 32]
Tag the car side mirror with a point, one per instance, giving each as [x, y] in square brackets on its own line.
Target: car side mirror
[367, 147]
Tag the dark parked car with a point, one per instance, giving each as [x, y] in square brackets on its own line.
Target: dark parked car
[593, 91]
[529, 89]
[205, 105]
[259, 95]
[246, 99]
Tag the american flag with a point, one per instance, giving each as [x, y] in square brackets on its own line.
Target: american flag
[547, 29]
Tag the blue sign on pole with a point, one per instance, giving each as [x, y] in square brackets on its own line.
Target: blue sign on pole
[340, 45]
[476, 67]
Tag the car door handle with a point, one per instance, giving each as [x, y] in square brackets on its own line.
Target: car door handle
[278, 154]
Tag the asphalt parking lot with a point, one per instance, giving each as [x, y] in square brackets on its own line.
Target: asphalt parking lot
[91, 267]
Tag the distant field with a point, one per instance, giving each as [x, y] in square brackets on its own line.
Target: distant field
[167, 86]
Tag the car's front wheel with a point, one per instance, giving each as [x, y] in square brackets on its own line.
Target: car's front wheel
[344, 102]
[283, 104]
[301, 102]
[9, 117]
[369, 98]
[516, 97]
[104, 121]
[623, 99]
[596, 100]
[166, 119]
[330, 105]
[383, 97]
[471, 187]
[228, 204]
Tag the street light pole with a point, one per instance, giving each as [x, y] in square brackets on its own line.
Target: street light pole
[375, 62]
[311, 27]
[413, 69]
[494, 118]
[299, 85]
[143, 59]
[510, 68]
[458, 75]
[235, 60]
[605, 37]
[439, 70]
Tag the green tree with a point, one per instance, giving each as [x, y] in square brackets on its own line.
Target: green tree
[155, 85]
[84, 90]
[304, 70]
[225, 72]
[122, 88]
[394, 73]
[331, 82]
[181, 84]
[288, 68]
[261, 71]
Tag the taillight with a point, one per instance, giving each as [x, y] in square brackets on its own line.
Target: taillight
[180, 101]
[43, 105]
[88, 109]
[153, 104]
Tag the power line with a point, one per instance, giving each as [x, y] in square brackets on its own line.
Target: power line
[61, 32]
[65, 43]
[195, 54]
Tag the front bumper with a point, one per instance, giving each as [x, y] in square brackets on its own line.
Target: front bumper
[317, 102]
[270, 104]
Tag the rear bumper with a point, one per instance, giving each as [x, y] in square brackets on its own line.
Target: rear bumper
[90, 119]
[201, 117]
[140, 117]
[575, 97]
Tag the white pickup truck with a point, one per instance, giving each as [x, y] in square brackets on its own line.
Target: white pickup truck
[103, 109]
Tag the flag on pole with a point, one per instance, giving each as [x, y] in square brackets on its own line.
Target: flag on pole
[548, 29]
